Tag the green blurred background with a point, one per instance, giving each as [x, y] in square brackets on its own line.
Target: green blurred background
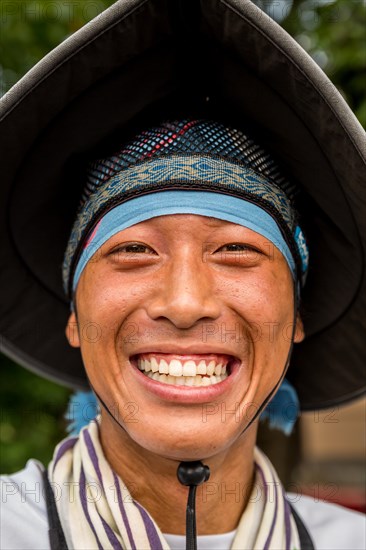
[334, 34]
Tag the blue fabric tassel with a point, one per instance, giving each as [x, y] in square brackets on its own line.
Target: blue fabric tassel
[81, 409]
[283, 410]
[281, 413]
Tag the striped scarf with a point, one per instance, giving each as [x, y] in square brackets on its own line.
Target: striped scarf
[97, 511]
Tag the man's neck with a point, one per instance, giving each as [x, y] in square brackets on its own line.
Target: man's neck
[152, 481]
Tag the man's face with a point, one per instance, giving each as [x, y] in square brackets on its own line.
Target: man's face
[181, 288]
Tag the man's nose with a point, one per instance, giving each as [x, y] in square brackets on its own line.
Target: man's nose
[186, 293]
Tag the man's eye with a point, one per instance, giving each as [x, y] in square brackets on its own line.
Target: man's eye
[133, 248]
[238, 247]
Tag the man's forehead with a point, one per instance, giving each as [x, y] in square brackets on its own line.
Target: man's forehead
[214, 222]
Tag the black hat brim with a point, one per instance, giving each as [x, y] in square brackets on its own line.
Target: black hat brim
[150, 58]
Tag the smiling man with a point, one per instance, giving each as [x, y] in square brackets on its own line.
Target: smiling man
[189, 292]
[233, 261]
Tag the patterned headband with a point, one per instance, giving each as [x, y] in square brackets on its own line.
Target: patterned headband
[162, 171]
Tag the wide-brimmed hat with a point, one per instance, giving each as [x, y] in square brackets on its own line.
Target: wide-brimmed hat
[142, 61]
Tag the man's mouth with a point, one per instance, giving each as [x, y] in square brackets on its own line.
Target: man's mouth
[189, 370]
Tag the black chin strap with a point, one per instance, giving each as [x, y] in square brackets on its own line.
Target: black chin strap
[192, 474]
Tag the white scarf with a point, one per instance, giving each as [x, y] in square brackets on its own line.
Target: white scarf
[97, 511]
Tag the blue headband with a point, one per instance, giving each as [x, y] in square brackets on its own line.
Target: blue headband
[231, 209]
[189, 166]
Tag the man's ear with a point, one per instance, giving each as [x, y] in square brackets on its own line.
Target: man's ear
[299, 330]
[72, 331]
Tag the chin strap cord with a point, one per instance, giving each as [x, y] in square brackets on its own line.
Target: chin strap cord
[192, 474]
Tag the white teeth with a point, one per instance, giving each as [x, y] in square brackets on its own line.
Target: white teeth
[163, 367]
[154, 365]
[185, 373]
[190, 381]
[201, 368]
[218, 369]
[211, 368]
[189, 368]
[175, 368]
